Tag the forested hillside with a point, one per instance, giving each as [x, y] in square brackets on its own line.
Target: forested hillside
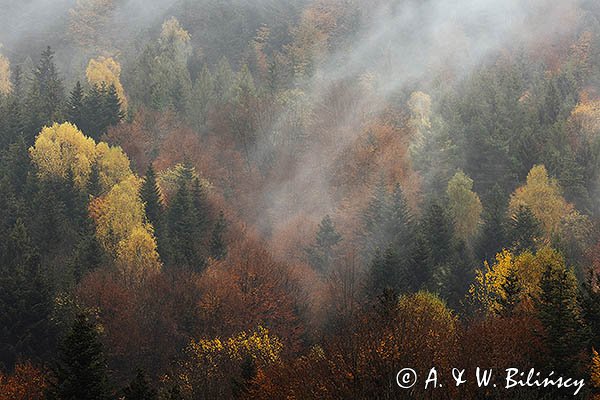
[235, 199]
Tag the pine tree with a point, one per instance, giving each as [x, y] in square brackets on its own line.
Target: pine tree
[322, 252]
[80, 372]
[218, 246]
[524, 230]
[140, 389]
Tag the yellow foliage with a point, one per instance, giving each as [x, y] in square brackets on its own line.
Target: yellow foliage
[137, 256]
[173, 32]
[113, 165]
[119, 213]
[419, 104]
[5, 83]
[488, 288]
[585, 117]
[209, 356]
[465, 206]
[62, 149]
[542, 195]
[108, 71]
[595, 369]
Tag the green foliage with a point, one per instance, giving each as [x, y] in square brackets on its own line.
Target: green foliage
[80, 371]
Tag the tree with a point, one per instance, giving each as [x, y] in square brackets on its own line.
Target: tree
[321, 254]
[25, 301]
[524, 230]
[75, 104]
[202, 99]
[6, 86]
[493, 233]
[104, 71]
[218, 246]
[542, 195]
[561, 314]
[46, 96]
[152, 198]
[80, 371]
[140, 389]
[464, 205]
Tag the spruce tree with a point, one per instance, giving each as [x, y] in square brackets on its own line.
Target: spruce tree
[75, 111]
[80, 372]
[111, 107]
[322, 252]
[218, 246]
[25, 301]
[493, 232]
[560, 313]
[524, 230]
[152, 199]
[46, 97]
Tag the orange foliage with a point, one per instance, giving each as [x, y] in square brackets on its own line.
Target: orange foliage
[26, 383]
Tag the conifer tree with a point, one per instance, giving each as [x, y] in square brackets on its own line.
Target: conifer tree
[560, 312]
[80, 372]
[75, 106]
[140, 389]
[524, 230]
[25, 301]
[322, 252]
[152, 199]
[112, 107]
[218, 247]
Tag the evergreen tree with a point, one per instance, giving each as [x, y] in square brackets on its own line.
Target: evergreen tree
[111, 107]
[524, 230]
[140, 389]
[218, 246]
[152, 199]
[322, 252]
[25, 301]
[93, 119]
[75, 106]
[590, 303]
[493, 233]
[45, 100]
[561, 314]
[80, 372]
[187, 221]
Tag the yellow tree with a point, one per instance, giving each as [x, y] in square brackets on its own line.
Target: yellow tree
[113, 165]
[61, 149]
[108, 71]
[489, 289]
[5, 83]
[465, 206]
[119, 213]
[543, 196]
[137, 257]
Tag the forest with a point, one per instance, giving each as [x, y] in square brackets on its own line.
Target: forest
[297, 199]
